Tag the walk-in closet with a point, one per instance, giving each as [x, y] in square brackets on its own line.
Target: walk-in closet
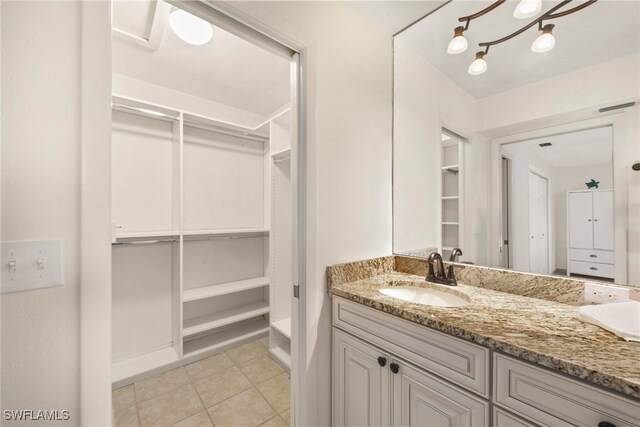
[201, 193]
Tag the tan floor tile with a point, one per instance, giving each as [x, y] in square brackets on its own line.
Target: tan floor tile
[219, 387]
[247, 352]
[126, 418]
[274, 422]
[286, 416]
[123, 398]
[265, 341]
[198, 420]
[260, 369]
[155, 386]
[170, 408]
[277, 391]
[246, 409]
[206, 367]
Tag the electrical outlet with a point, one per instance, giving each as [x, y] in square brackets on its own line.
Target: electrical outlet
[600, 293]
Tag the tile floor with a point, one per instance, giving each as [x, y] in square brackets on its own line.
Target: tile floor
[239, 387]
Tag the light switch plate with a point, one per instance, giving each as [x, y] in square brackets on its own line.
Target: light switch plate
[31, 265]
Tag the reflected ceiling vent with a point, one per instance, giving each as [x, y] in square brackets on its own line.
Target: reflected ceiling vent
[616, 107]
[545, 144]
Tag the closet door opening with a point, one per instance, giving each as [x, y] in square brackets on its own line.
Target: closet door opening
[203, 209]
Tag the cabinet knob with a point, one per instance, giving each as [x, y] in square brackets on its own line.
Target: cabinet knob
[606, 424]
[595, 220]
[589, 220]
[593, 268]
[593, 256]
[382, 361]
[395, 368]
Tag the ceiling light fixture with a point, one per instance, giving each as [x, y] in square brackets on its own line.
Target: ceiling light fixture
[190, 28]
[545, 41]
[458, 43]
[479, 65]
[527, 9]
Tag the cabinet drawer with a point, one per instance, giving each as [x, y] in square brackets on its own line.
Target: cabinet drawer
[458, 361]
[591, 255]
[553, 400]
[592, 269]
[502, 418]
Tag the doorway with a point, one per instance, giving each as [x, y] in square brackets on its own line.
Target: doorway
[506, 209]
[538, 223]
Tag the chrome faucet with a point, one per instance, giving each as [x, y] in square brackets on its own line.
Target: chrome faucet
[440, 277]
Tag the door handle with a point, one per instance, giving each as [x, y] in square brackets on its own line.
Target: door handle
[593, 256]
[593, 268]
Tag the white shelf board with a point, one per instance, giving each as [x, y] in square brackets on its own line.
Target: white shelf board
[281, 155]
[450, 197]
[137, 365]
[145, 235]
[450, 223]
[281, 355]
[208, 322]
[447, 248]
[229, 232]
[451, 167]
[225, 339]
[283, 326]
[224, 288]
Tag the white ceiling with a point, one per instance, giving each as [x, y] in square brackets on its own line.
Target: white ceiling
[602, 31]
[394, 16]
[588, 147]
[227, 70]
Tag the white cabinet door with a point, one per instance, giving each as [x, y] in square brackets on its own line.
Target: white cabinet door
[580, 220]
[361, 383]
[603, 220]
[421, 399]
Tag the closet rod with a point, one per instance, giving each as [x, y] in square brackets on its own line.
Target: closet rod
[225, 131]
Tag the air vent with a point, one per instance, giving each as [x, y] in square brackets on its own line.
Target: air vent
[616, 107]
[545, 144]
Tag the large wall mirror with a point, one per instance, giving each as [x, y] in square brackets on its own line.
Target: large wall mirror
[515, 137]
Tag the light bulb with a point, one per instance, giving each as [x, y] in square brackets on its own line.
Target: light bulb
[458, 43]
[190, 28]
[479, 65]
[527, 9]
[545, 41]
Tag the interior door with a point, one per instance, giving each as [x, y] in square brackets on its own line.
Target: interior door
[603, 220]
[580, 220]
[361, 384]
[538, 224]
[423, 400]
[506, 209]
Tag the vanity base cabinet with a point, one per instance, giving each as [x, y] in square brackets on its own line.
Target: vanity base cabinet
[502, 418]
[373, 388]
[361, 383]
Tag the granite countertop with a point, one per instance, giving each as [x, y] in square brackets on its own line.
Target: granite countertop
[543, 332]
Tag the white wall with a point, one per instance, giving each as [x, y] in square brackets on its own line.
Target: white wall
[349, 158]
[425, 100]
[41, 199]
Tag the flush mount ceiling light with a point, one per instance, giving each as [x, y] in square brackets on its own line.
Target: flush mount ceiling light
[545, 41]
[527, 9]
[459, 44]
[190, 28]
[479, 65]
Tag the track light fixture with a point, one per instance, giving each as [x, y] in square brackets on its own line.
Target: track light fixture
[527, 9]
[458, 43]
[545, 41]
[479, 65]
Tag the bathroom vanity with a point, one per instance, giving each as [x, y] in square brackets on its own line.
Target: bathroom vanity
[501, 359]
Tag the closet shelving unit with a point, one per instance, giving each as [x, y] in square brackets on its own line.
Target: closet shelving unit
[194, 258]
[451, 192]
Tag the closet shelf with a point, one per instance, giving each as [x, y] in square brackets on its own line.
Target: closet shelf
[449, 168]
[227, 338]
[146, 235]
[211, 321]
[281, 155]
[129, 368]
[224, 288]
[283, 355]
[450, 223]
[230, 232]
[450, 197]
[283, 326]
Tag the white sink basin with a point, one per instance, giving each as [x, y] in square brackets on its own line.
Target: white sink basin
[425, 296]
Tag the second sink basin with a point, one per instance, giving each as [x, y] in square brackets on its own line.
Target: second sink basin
[425, 296]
